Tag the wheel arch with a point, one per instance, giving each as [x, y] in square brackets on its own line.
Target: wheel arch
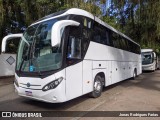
[135, 69]
[102, 75]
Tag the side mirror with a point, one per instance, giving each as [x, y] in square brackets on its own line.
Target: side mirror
[9, 37]
[57, 30]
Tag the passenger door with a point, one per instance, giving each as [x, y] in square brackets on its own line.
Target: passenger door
[74, 64]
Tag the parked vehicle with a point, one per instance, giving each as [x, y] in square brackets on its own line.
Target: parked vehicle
[71, 53]
[149, 60]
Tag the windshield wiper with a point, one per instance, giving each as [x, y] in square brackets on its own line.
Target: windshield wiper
[23, 59]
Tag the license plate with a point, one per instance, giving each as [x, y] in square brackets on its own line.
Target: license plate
[28, 93]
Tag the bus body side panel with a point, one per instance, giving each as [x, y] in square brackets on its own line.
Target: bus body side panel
[74, 81]
[127, 70]
[139, 68]
[130, 69]
[99, 64]
[123, 71]
[87, 76]
[100, 56]
[128, 64]
[120, 64]
[115, 73]
[96, 71]
[108, 79]
[97, 52]
[99, 67]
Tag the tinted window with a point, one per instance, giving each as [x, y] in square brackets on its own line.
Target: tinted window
[123, 44]
[116, 40]
[134, 47]
[74, 48]
[87, 22]
[86, 39]
[74, 43]
[137, 49]
[100, 34]
[85, 30]
[127, 44]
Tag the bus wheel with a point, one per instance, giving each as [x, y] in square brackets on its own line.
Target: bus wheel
[97, 87]
[134, 74]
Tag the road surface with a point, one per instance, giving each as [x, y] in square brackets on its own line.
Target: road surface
[142, 94]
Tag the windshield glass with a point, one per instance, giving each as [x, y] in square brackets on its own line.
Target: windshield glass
[147, 58]
[35, 53]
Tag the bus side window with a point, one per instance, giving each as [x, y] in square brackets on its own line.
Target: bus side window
[123, 44]
[86, 39]
[116, 40]
[74, 44]
[74, 48]
[107, 42]
[99, 34]
[86, 34]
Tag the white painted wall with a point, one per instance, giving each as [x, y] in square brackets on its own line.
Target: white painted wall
[5, 68]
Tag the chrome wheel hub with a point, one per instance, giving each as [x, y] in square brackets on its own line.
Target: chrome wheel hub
[134, 75]
[97, 86]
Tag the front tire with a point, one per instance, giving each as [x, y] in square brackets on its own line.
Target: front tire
[97, 87]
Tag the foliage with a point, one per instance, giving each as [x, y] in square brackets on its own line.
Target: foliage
[16, 15]
[138, 19]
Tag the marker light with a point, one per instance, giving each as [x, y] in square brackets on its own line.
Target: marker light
[53, 84]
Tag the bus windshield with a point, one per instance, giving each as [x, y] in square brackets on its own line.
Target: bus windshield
[147, 58]
[35, 53]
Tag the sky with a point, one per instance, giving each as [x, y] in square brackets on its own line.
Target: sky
[103, 7]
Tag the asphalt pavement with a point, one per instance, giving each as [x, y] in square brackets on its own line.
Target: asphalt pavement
[141, 94]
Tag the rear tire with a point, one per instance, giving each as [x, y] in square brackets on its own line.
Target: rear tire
[134, 74]
[97, 87]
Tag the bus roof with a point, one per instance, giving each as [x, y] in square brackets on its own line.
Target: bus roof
[77, 11]
[146, 50]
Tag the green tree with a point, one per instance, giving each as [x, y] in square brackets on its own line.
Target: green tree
[139, 20]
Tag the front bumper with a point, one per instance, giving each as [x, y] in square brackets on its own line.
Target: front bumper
[56, 95]
[148, 67]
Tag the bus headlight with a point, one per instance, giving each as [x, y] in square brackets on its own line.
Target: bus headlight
[52, 84]
[16, 82]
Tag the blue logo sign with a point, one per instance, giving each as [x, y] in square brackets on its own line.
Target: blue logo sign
[31, 68]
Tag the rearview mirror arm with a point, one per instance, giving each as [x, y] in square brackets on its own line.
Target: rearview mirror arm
[6, 38]
[56, 30]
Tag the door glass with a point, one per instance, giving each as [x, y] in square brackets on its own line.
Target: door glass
[74, 48]
[74, 43]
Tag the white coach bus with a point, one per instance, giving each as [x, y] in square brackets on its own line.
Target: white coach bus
[71, 53]
[149, 60]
